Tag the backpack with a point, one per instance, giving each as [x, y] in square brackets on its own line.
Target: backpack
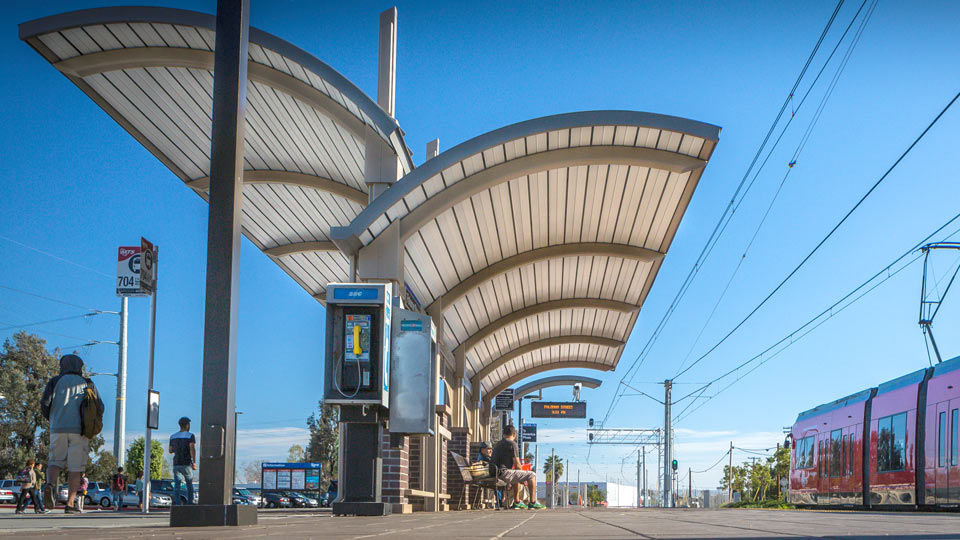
[23, 477]
[91, 415]
[119, 482]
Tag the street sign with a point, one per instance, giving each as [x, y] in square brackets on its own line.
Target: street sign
[528, 433]
[504, 401]
[148, 267]
[558, 409]
[128, 271]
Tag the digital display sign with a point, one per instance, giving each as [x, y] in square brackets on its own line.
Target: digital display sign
[558, 409]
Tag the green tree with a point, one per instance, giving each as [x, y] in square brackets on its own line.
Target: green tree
[296, 454]
[595, 495]
[134, 465]
[739, 479]
[760, 481]
[324, 443]
[25, 368]
[548, 467]
[101, 464]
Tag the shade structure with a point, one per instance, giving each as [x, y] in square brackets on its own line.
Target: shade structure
[307, 131]
[539, 241]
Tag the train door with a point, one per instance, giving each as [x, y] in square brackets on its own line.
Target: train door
[941, 452]
[953, 447]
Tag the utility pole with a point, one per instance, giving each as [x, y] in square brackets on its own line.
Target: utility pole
[639, 474]
[579, 499]
[689, 487]
[730, 476]
[668, 446]
[659, 469]
[566, 485]
[644, 476]
[120, 419]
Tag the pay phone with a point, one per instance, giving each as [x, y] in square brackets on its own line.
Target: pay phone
[358, 343]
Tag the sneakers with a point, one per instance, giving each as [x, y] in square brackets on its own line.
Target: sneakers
[519, 506]
[70, 510]
[537, 506]
[48, 501]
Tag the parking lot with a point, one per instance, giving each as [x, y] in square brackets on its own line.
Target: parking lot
[574, 524]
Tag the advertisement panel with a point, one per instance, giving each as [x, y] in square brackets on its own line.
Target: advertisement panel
[558, 409]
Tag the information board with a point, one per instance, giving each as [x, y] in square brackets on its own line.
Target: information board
[558, 409]
[269, 479]
[297, 479]
[283, 479]
[529, 433]
[504, 401]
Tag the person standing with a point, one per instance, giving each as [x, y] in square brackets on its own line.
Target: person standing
[183, 446]
[82, 491]
[118, 484]
[38, 469]
[62, 405]
[138, 486]
[28, 488]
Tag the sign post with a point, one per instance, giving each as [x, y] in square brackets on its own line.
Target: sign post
[504, 401]
[148, 285]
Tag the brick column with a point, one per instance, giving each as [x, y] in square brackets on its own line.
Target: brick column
[459, 492]
[396, 474]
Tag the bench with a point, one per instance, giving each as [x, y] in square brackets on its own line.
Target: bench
[491, 482]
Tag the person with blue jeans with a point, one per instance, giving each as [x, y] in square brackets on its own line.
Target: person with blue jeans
[183, 446]
[118, 484]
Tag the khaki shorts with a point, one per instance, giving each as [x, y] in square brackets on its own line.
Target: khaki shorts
[514, 476]
[69, 451]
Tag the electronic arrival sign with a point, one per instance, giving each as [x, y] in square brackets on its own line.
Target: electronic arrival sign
[558, 409]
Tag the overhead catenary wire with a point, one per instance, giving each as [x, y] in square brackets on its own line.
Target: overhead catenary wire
[790, 166]
[49, 321]
[55, 300]
[727, 213]
[68, 261]
[824, 240]
[888, 272]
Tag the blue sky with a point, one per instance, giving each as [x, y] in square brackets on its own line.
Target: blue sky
[76, 185]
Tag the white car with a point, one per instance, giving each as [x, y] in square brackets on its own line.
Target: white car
[10, 485]
[157, 500]
[7, 496]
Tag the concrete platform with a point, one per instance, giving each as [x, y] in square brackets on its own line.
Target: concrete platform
[543, 524]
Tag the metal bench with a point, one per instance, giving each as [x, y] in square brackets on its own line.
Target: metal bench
[491, 482]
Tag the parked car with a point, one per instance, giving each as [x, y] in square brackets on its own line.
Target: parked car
[330, 495]
[11, 485]
[274, 499]
[63, 493]
[97, 492]
[247, 496]
[165, 487]
[299, 500]
[7, 496]
[157, 500]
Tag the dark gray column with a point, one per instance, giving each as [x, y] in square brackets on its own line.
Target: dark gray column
[223, 258]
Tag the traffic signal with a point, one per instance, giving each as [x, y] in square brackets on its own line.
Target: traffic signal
[590, 435]
[674, 464]
[591, 422]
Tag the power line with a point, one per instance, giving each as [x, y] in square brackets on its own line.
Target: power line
[49, 299]
[793, 161]
[825, 238]
[48, 321]
[31, 248]
[830, 312]
[725, 216]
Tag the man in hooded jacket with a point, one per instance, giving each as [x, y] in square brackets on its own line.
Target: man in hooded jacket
[69, 449]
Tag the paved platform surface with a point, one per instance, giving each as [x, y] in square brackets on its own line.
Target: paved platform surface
[543, 524]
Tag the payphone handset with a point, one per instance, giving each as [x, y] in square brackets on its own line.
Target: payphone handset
[357, 343]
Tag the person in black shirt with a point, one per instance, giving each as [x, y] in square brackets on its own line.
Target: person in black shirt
[506, 456]
[183, 446]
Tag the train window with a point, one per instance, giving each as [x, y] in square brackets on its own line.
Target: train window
[954, 426]
[804, 455]
[850, 458]
[942, 440]
[891, 442]
[836, 452]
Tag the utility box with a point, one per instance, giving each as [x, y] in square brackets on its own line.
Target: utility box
[358, 335]
[414, 374]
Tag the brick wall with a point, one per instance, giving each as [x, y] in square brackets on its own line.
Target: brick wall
[396, 472]
[459, 492]
[416, 460]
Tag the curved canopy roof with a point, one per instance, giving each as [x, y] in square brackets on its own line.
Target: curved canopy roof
[306, 125]
[556, 380]
[540, 241]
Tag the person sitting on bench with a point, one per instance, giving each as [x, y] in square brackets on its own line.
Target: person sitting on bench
[506, 456]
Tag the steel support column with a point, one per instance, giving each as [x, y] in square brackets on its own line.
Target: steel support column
[223, 259]
[667, 447]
